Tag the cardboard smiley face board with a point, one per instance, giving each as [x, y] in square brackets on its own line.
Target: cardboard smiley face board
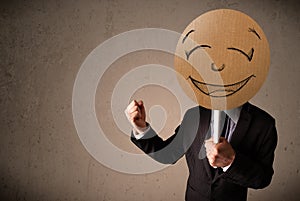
[223, 59]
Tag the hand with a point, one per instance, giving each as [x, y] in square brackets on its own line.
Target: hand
[221, 154]
[136, 114]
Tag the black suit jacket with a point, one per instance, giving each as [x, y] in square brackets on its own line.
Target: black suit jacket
[254, 141]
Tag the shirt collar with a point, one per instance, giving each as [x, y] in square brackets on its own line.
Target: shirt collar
[234, 114]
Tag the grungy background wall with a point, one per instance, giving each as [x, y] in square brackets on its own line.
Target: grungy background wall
[43, 44]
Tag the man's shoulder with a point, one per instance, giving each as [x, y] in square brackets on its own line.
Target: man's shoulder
[258, 113]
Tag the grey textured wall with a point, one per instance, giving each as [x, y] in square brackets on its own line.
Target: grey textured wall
[42, 46]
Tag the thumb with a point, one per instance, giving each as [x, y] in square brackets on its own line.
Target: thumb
[222, 139]
[142, 109]
[140, 103]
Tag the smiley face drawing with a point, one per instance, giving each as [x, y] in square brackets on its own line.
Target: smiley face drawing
[222, 60]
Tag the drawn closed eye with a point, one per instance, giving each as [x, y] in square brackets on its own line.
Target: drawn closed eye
[188, 53]
[249, 55]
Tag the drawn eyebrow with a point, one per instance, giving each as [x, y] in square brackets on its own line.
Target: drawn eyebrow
[191, 31]
[253, 31]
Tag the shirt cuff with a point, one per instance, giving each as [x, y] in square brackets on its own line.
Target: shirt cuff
[226, 167]
[138, 132]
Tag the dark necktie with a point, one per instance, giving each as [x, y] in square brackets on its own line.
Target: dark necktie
[226, 128]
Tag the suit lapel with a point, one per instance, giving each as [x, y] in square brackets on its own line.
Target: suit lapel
[241, 127]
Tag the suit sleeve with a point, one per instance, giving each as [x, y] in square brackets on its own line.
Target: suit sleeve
[166, 152]
[171, 150]
[255, 173]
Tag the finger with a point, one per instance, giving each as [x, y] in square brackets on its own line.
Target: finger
[137, 105]
[142, 109]
[212, 152]
[134, 116]
[131, 104]
[208, 142]
[213, 162]
[209, 156]
[206, 145]
[208, 148]
[140, 103]
[133, 109]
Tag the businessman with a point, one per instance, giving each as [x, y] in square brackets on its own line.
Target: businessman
[243, 157]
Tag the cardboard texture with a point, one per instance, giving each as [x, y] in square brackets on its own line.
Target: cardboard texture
[224, 57]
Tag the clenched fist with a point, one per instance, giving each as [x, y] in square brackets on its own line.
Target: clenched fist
[136, 114]
[221, 154]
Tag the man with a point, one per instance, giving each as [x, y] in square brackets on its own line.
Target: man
[243, 157]
[248, 157]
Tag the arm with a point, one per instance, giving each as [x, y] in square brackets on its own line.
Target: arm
[170, 150]
[160, 150]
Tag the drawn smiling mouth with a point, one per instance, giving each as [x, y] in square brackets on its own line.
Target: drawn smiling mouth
[216, 90]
